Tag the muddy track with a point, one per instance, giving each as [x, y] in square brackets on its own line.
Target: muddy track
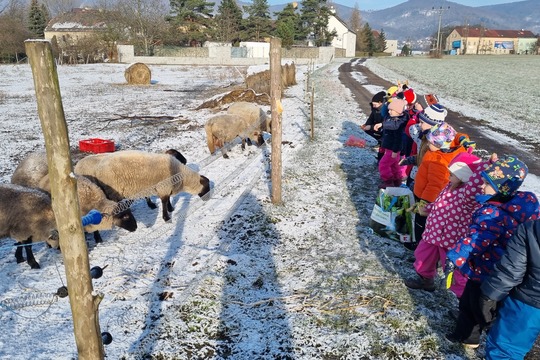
[527, 151]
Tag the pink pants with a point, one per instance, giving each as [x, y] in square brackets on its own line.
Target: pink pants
[389, 168]
[427, 256]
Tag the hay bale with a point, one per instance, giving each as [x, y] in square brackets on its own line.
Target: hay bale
[138, 74]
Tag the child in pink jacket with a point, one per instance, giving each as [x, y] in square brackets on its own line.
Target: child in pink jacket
[449, 217]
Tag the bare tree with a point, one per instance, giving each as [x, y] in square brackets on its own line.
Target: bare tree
[355, 23]
[57, 7]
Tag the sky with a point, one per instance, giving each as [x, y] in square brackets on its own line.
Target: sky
[234, 275]
[379, 5]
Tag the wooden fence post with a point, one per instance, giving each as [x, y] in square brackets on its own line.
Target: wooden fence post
[84, 306]
[275, 104]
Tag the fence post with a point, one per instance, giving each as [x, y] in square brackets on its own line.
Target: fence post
[65, 202]
[275, 102]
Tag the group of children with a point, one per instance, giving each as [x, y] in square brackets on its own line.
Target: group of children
[470, 219]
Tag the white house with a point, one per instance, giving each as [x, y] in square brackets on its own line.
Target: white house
[345, 38]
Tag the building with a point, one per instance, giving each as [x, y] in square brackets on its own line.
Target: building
[466, 40]
[345, 38]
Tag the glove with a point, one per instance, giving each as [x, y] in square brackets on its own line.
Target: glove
[449, 269]
[488, 308]
[466, 142]
[409, 160]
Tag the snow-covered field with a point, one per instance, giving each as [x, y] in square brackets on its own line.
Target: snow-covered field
[235, 277]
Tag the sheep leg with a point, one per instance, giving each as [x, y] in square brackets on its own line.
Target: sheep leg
[165, 201]
[169, 205]
[30, 255]
[18, 253]
[224, 152]
[97, 237]
[151, 205]
[243, 144]
[249, 142]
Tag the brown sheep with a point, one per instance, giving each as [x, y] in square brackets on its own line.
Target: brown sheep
[222, 129]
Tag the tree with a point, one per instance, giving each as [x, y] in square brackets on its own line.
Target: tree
[191, 21]
[258, 23]
[355, 23]
[288, 25]
[405, 50]
[37, 20]
[380, 42]
[368, 40]
[314, 22]
[229, 22]
[13, 33]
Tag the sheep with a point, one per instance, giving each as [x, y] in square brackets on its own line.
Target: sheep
[26, 215]
[33, 172]
[255, 115]
[132, 174]
[224, 128]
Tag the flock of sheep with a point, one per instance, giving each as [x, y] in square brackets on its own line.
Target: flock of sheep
[110, 182]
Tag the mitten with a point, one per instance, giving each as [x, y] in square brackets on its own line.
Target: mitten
[449, 269]
[488, 308]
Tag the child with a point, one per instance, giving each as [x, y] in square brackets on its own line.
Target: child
[433, 173]
[393, 126]
[503, 208]
[518, 273]
[448, 220]
[375, 118]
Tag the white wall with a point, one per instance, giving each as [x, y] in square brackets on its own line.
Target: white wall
[344, 39]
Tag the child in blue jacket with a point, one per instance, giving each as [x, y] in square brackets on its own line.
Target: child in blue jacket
[518, 274]
[475, 255]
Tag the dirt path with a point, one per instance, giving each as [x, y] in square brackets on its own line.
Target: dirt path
[527, 152]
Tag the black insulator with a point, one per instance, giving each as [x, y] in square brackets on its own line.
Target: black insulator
[106, 337]
[62, 292]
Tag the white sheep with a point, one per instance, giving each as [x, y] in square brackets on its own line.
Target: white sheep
[224, 128]
[26, 215]
[255, 115]
[133, 174]
[32, 171]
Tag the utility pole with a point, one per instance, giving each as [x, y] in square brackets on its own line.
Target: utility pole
[440, 10]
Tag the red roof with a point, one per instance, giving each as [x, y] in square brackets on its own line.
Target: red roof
[483, 32]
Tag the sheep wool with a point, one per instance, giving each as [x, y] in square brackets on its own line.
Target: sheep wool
[254, 114]
[26, 215]
[134, 174]
[224, 128]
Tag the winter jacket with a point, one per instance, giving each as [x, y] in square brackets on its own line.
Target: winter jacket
[492, 225]
[433, 173]
[393, 128]
[519, 269]
[374, 118]
[451, 213]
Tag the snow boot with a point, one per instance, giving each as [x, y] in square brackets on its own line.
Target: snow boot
[421, 283]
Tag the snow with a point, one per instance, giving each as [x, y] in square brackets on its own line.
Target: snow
[236, 276]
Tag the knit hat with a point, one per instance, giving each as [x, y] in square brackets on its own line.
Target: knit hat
[463, 165]
[441, 135]
[410, 96]
[506, 175]
[434, 114]
[379, 97]
[391, 92]
[398, 105]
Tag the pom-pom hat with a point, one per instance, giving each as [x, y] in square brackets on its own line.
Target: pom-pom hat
[463, 165]
[506, 175]
[433, 114]
[410, 96]
[441, 135]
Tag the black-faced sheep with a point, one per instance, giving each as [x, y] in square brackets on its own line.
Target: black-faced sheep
[26, 215]
[222, 129]
[254, 114]
[133, 174]
[33, 172]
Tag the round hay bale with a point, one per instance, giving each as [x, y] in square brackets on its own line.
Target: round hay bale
[138, 74]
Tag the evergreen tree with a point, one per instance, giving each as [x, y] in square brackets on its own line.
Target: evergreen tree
[287, 25]
[314, 21]
[37, 20]
[258, 23]
[229, 22]
[192, 20]
[380, 42]
[368, 40]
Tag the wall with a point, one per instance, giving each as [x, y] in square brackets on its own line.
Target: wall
[220, 55]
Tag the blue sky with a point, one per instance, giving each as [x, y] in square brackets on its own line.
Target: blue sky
[378, 4]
